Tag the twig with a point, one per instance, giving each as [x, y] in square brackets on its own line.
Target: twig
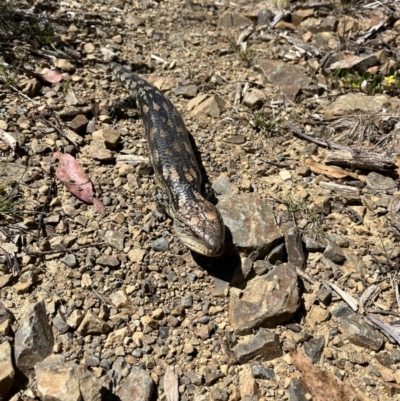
[321, 4]
[77, 248]
[41, 228]
[306, 276]
[100, 297]
[59, 130]
[299, 133]
[12, 262]
[384, 312]
[21, 94]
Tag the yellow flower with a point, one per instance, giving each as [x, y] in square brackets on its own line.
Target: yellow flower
[390, 80]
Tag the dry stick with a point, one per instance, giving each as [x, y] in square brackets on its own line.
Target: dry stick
[77, 248]
[101, 298]
[41, 228]
[299, 133]
[306, 276]
[59, 130]
[384, 312]
[313, 5]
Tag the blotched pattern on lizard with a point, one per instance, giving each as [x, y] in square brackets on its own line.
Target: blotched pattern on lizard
[197, 221]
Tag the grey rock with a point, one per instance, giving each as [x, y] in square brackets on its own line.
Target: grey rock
[25, 282]
[312, 244]
[251, 223]
[160, 245]
[260, 372]
[294, 244]
[264, 17]
[34, 339]
[261, 267]
[39, 147]
[7, 372]
[360, 333]
[296, 391]
[115, 239]
[334, 253]
[108, 260]
[276, 254]
[58, 380]
[212, 376]
[5, 314]
[324, 296]
[187, 301]
[195, 378]
[233, 20]
[267, 301]
[356, 103]
[380, 182]
[314, 348]
[289, 78]
[137, 386]
[342, 311]
[187, 91]
[253, 98]
[222, 185]
[60, 324]
[264, 346]
[70, 260]
[219, 394]
[388, 358]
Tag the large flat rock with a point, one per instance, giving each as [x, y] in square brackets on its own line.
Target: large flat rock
[251, 222]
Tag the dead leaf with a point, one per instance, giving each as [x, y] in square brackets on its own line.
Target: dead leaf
[330, 171]
[321, 385]
[54, 76]
[171, 384]
[70, 173]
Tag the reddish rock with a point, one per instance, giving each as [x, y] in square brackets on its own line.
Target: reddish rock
[267, 301]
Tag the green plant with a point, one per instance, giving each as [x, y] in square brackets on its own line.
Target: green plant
[367, 82]
[244, 52]
[9, 74]
[8, 201]
[300, 209]
[65, 85]
[263, 121]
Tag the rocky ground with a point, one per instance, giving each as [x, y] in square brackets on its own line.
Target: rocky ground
[293, 108]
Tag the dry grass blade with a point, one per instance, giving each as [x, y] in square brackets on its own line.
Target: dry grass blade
[380, 129]
[346, 297]
[390, 332]
[370, 293]
[171, 384]
[356, 128]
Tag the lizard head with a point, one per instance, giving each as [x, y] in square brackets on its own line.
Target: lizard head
[199, 226]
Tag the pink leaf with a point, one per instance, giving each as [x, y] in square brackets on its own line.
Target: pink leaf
[70, 173]
[54, 76]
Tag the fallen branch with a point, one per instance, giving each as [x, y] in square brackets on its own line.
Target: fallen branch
[360, 159]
